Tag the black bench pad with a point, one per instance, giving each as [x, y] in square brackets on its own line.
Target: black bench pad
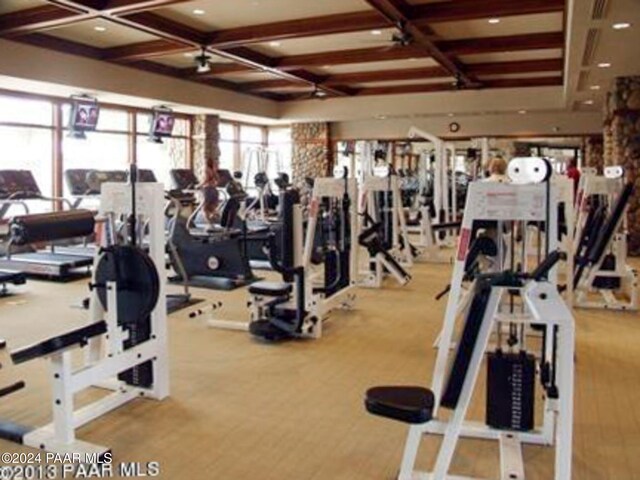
[76, 337]
[271, 289]
[405, 404]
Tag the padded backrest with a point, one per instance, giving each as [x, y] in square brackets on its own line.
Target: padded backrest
[459, 367]
[18, 184]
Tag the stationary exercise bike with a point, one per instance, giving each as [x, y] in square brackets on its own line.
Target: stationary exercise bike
[209, 259]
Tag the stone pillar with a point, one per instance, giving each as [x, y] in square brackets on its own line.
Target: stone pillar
[311, 151]
[205, 142]
[622, 144]
[594, 153]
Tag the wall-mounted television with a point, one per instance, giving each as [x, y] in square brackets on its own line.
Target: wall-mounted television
[162, 124]
[84, 115]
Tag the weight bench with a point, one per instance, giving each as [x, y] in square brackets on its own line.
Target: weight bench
[12, 387]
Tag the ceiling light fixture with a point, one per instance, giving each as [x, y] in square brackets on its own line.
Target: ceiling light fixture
[494, 21]
[594, 87]
[100, 29]
[202, 62]
[604, 65]
[317, 93]
[198, 11]
[274, 44]
[621, 25]
[522, 112]
[376, 32]
[451, 115]
[588, 102]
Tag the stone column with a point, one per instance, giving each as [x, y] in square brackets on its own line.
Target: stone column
[594, 152]
[205, 142]
[622, 144]
[311, 151]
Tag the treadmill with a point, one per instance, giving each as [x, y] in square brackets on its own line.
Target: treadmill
[19, 186]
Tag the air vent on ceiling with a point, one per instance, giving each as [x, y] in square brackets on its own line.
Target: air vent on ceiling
[599, 9]
[583, 80]
[590, 47]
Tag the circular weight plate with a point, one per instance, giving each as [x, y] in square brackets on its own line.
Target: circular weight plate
[137, 281]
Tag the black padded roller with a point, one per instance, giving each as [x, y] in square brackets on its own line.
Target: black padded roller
[47, 227]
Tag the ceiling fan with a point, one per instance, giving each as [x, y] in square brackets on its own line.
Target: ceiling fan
[315, 94]
[202, 61]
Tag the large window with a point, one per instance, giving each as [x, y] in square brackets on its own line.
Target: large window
[162, 157]
[105, 149]
[227, 147]
[26, 138]
[281, 146]
[25, 148]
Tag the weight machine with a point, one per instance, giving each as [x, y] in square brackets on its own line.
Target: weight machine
[522, 299]
[318, 265]
[383, 229]
[603, 278]
[125, 341]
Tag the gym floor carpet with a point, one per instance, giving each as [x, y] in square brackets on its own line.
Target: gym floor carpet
[244, 410]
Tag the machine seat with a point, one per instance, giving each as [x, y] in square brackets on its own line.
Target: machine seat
[270, 289]
[405, 404]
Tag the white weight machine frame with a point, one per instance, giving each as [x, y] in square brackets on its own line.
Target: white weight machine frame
[609, 186]
[105, 356]
[543, 305]
[389, 184]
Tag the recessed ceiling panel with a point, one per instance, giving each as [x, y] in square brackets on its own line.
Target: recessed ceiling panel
[516, 25]
[375, 66]
[512, 56]
[327, 43]
[217, 15]
[101, 34]
[9, 6]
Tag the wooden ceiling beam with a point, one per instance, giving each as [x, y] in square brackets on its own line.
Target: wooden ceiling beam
[468, 46]
[144, 50]
[163, 27]
[511, 43]
[460, 10]
[396, 12]
[448, 86]
[482, 69]
[420, 15]
[119, 7]
[23, 22]
[306, 27]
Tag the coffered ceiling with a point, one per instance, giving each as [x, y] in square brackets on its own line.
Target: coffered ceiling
[302, 49]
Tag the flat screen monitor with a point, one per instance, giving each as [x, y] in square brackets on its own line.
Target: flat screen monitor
[162, 124]
[84, 116]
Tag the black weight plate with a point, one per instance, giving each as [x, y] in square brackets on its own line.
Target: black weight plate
[137, 279]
